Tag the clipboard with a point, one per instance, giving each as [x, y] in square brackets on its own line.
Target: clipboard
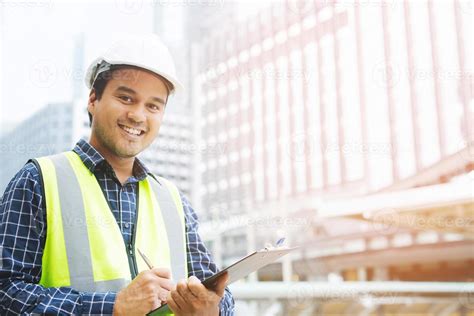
[238, 270]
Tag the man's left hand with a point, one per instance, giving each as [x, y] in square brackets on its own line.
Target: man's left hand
[193, 298]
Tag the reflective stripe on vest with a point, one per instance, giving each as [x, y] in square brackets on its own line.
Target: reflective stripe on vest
[84, 246]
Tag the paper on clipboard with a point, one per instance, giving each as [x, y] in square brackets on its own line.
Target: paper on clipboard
[239, 270]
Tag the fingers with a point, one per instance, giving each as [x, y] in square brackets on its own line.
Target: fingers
[140, 296]
[192, 296]
[221, 284]
[162, 272]
[160, 275]
[195, 287]
[166, 284]
[172, 304]
[198, 289]
[154, 285]
[178, 300]
[156, 304]
[163, 294]
[185, 292]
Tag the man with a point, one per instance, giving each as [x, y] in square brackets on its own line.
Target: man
[72, 224]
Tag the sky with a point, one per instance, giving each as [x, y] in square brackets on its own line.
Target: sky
[37, 47]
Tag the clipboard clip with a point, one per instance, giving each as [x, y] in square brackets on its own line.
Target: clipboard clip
[278, 244]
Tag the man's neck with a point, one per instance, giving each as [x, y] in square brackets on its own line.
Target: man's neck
[123, 167]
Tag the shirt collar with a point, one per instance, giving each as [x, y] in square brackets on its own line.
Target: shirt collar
[92, 159]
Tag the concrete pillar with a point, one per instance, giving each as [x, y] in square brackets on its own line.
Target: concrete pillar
[287, 269]
[380, 274]
[217, 250]
[361, 274]
[253, 277]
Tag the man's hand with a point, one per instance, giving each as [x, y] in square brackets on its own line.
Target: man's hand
[193, 298]
[145, 293]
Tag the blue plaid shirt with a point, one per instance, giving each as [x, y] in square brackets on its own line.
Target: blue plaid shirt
[23, 234]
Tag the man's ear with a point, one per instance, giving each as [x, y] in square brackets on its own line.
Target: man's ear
[91, 102]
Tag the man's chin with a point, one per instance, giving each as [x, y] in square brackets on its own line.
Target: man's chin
[128, 152]
[129, 155]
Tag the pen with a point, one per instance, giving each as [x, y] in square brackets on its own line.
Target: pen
[280, 242]
[147, 261]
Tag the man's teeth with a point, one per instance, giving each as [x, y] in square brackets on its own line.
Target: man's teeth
[132, 130]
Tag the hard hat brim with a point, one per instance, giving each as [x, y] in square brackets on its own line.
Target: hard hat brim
[92, 69]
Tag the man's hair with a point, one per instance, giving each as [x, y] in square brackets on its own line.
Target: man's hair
[99, 86]
[104, 77]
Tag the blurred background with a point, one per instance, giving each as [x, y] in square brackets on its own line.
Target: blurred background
[344, 126]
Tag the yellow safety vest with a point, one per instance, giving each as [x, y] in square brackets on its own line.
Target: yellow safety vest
[84, 246]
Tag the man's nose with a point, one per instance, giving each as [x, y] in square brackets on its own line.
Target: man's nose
[137, 114]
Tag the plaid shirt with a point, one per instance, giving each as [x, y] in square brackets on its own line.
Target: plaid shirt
[23, 234]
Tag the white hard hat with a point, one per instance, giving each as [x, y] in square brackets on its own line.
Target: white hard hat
[144, 51]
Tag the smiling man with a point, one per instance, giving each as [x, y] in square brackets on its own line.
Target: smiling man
[127, 115]
[72, 224]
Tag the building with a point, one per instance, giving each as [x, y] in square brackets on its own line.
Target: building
[329, 113]
[170, 156]
[51, 130]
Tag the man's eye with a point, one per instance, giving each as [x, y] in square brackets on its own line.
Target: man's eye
[125, 98]
[154, 107]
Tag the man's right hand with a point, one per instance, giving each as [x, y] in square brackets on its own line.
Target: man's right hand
[145, 293]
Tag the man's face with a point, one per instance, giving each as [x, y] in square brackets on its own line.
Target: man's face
[128, 116]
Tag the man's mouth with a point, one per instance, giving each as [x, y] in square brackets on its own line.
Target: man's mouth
[132, 131]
